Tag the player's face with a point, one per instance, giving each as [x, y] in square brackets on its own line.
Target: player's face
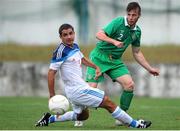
[67, 36]
[132, 17]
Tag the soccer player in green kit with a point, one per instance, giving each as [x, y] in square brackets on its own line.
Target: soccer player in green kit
[114, 38]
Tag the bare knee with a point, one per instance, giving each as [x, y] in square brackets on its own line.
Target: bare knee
[108, 104]
[126, 82]
[129, 85]
[84, 115]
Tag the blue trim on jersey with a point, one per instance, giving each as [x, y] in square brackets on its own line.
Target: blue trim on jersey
[94, 93]
[62, 52]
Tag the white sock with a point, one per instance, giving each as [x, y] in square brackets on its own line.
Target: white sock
[68, 116]
[122, 116]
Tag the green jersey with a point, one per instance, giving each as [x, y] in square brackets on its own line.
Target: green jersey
[119, 30]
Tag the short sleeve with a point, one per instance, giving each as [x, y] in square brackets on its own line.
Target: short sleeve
[57, 59]
[113, 26]
[55, 65]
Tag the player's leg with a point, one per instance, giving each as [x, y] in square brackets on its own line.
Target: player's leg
[90, 74]
[121, 115]
[116, 70]
[48, 118]
[121, 75]
[93, 97]
[92, 84]
[71, 116]
[127, 95]
[68, 116]
[79, 122]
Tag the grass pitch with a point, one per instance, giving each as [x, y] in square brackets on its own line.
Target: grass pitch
[20, 113]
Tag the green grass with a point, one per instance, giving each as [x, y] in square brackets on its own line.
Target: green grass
[20, 113]
[154, 54]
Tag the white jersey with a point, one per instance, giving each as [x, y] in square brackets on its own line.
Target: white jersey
[68, 61]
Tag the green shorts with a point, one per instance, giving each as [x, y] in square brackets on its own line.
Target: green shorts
[114, 68]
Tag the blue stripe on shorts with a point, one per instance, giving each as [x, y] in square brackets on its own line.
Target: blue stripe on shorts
[93, 93]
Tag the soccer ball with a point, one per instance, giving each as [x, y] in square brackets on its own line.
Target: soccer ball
[58, 104]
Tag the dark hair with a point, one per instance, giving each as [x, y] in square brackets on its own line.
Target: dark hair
[65, 27]
[132, 6]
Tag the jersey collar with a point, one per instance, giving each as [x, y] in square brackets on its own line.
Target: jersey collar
[126, 23]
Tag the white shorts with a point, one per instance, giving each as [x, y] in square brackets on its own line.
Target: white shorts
[84, 97]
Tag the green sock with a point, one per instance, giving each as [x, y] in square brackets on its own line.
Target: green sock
[125, 99]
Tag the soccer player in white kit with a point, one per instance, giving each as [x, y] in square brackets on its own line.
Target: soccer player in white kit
[67, 58]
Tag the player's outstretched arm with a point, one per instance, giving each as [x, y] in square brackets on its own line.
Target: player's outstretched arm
[139, 57]
[51, 81]
[87, 62]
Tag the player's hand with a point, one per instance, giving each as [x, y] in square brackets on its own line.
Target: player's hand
[98, 73]
[118, 43]
[154, 71]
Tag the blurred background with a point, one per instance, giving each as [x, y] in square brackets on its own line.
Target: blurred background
[29, 33]
[37, 21]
